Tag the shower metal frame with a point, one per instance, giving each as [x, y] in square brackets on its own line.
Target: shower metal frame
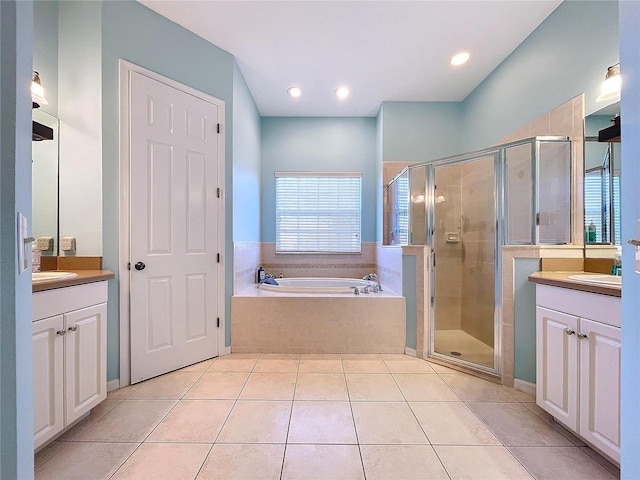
[499, 154]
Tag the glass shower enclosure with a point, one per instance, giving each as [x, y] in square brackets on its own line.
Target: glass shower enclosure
[466, 208]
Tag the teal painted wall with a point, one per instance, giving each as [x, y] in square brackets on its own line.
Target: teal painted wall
[524, 305]
[16, 371]
[417, 132]
[410, 293]
[319, 144]
[246, 162]
[594, 123]
[135, 33]
[566, 55]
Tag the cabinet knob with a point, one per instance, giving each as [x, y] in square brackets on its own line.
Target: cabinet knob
[73, 328]
[61, 332]
[582, 336]
[568, 331]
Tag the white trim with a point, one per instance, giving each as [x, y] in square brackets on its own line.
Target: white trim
[125, 69]
[225, 351]
[524, 386]
[113, 385]
[410, 351]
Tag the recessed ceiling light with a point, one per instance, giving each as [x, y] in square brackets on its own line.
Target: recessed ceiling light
[295, 92]
[342, 92]
[460, 58]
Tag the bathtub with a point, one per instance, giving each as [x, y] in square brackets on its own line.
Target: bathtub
[317, 315]
[311, 285]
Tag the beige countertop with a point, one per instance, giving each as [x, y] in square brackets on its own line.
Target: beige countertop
[83, 276]
[561, 279]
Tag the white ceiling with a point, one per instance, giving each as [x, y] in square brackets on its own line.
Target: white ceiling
[382, 50]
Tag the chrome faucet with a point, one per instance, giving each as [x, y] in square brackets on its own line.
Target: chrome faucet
[372, 277]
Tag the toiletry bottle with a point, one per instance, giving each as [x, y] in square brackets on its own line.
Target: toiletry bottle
[591, 232]
[261, 275]
[35, 259]
[617, 265]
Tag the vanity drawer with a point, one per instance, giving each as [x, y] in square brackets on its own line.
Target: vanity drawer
[602, 308]
[62, 300]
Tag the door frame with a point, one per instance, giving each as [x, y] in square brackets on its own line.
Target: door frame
[125, 69]
[498, 196]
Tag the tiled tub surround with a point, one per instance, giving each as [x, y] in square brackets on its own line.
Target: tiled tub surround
[347, 265]
[246, 260]
[268, 322]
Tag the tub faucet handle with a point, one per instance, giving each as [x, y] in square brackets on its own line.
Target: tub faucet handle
[355, 290]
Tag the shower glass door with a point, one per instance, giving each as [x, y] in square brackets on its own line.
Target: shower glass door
[464, 242]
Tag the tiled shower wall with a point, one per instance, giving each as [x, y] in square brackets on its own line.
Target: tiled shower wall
[566, 120]
[449, 220]
[478, 249]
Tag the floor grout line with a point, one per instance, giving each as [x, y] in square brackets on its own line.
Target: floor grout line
[344, 376]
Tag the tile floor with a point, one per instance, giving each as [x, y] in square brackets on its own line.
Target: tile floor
[328, 417]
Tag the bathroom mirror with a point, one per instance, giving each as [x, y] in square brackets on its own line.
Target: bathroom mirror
[601, 184]
[44, 211]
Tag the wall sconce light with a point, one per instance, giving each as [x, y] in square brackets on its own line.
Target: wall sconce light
[610, 88]
[37, 91]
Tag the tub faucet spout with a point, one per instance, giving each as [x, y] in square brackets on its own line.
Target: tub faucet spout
[372, 277]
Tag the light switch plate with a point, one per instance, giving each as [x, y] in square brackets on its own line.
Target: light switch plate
[637, 248]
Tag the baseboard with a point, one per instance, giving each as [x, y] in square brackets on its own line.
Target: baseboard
[410, 351]
[113, 385]
[523, 386]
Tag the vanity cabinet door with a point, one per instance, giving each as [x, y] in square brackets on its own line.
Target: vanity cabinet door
[85, 360]
[600, 386]
[48, 412]
[557, 365]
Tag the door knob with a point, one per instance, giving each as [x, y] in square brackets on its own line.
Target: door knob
[139, 266]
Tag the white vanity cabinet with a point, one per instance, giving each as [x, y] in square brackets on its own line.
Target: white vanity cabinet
[69, 356]
[578, 363]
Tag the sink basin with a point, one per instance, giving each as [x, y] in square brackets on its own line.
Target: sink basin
[37, 277]
[597, 278]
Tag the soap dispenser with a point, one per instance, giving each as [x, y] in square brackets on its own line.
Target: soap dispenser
[617, 263]
[261, 275]
[591, 232]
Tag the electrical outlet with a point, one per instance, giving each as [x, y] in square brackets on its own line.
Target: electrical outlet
[68, 244]
[44, 244]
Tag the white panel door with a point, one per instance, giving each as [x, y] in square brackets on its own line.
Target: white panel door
[48, 403]
[557, 365]
[85, 360]
[600, 386]
[173, 228]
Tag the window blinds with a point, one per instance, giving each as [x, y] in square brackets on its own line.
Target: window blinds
[318, 212]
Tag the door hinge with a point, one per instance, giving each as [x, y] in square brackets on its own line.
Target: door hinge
[129, 266]
[218, 322]
[218, 258]
[218, 192]
[218, 128]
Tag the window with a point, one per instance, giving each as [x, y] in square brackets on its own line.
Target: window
[318, 212]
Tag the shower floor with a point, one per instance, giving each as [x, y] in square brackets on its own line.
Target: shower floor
[469, 347]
